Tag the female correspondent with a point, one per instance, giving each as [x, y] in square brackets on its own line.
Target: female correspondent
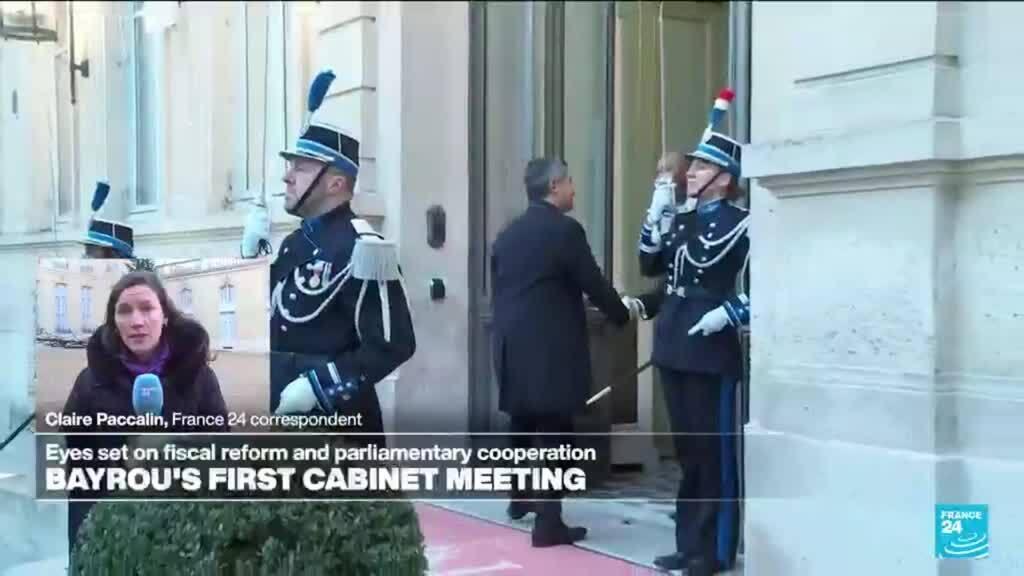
[143, 334]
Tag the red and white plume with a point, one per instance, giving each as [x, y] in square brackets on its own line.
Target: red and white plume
[725, 97]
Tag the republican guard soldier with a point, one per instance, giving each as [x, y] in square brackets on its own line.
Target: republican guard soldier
[340, 318]
[702, 248]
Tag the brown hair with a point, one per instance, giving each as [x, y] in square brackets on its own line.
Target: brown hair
[175, 319]
[734, 191]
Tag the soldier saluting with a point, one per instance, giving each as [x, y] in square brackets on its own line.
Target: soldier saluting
[703, 249]
[340, 319]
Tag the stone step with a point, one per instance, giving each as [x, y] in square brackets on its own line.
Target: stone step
[16, 483]
[30, 531]
[56, 566]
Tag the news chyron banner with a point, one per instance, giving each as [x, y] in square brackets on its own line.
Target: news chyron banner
[303, 466]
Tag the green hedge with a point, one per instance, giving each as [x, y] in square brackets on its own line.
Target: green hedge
[250, 538]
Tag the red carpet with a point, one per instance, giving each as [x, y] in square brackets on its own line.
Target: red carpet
[459, 545]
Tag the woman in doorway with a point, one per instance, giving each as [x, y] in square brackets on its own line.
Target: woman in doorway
[144, 333]
[704, 254]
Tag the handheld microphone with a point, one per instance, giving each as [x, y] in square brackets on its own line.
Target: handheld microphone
[148, 394]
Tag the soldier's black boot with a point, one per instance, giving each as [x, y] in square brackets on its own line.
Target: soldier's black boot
[696, 567]
[700, 567]
[670, 562]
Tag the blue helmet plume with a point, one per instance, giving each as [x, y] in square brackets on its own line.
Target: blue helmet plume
[99, 196]
[318, 90]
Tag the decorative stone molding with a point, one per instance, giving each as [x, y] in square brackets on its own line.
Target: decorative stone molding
[860, 179]
[979, 386]
[853, 376]
[755, 432]
[895, 176]
[927, 140]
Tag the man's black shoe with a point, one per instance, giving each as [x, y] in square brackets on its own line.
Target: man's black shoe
[565, 535]
[517, 509]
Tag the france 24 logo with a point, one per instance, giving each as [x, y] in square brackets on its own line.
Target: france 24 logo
[961, 531]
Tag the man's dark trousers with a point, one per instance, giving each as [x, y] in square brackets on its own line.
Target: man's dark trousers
[541, 431]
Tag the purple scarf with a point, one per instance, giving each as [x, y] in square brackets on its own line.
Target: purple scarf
[155, 364]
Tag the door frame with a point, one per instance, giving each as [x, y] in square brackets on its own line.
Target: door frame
[738, 59]
[547, 28]
[479, 361]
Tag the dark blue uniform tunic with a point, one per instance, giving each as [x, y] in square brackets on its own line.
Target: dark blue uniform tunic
[330, 326]
[702, 255]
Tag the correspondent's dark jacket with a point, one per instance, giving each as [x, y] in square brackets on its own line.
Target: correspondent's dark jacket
[105, 385]
[541, 266]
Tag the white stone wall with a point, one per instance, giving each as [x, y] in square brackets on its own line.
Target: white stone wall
[886, 374]
[424, 55]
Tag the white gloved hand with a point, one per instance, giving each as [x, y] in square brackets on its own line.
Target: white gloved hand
[257, 232]
[297, 397]
[633, 305]
[711, 322]
[662, 200]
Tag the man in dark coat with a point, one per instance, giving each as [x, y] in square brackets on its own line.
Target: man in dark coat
[541, 266]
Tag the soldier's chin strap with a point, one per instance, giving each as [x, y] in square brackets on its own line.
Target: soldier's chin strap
[692, 217]
[294, 211]
[708, 183]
